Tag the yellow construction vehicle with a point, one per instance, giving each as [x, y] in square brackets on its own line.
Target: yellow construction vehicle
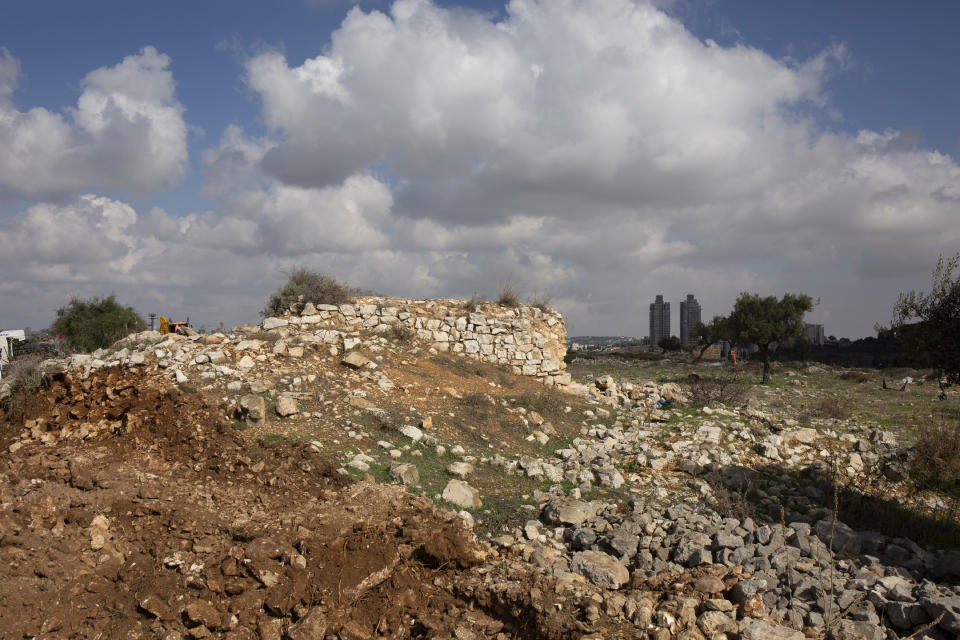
[166, 326]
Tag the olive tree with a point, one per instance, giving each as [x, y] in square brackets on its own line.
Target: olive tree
[711, 333]
[930, 323]
[764, 320]
[96, 323]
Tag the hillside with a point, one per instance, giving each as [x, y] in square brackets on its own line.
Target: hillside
[359, 475]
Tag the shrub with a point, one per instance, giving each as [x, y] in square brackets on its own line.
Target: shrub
[508, 295]
[935, 463]
[96, 323]
[473, 303]
[930, 323]
[304, 286]
[540, 302]
[831, 407]
[546, 403]
[708, 390]
[24, 377]
[401, 333]
[670, 343]
[854, 376]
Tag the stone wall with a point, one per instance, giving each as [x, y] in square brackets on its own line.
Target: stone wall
[530, 341]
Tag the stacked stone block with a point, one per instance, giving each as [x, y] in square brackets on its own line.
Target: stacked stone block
[530, 341]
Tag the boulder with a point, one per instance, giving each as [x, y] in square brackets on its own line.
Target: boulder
[286, 406]
[405, 473]
[846, 541]
[312, 626]
[758, 630]
[461, 494]
[412, 432]
[460, 469]
[601, 569]
[949, 607]
[568, 511]
[355, 360]
[254, 407]
[274, 323]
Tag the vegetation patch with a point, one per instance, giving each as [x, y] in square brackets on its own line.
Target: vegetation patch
[96, 323]
[935, 463]
[304, 286]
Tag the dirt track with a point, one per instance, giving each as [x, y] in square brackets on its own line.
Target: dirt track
[133, 510]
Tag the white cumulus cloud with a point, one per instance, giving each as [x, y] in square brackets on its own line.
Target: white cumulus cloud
[127, 132]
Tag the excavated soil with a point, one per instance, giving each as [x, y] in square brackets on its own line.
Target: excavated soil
[132, 509]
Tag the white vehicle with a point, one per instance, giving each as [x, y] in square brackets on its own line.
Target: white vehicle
[6, 345]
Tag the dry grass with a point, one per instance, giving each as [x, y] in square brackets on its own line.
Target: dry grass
[508, 294]
[473, 304]
[935, 463]
[834, 407]
[541, 302]
[711, 390]
[24, 377]
[401, 333]
[854, 376]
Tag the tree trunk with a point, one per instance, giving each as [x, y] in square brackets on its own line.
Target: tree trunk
[766, 365]
[703, 350]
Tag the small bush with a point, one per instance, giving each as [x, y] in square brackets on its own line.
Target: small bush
[935, 463]
[401, 333]
[540, 302]
[24, 377]
[708, 390]
[477, 400]
[854, 376]
[508, 295]
[304, 286]
[96, 323]
[473, 303]
[548, 405]
[831, 407]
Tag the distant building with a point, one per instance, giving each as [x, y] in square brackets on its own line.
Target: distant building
[659, 320]
[814, 333]
[689, 318]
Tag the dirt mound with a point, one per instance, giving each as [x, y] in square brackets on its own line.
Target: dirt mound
[129, 508]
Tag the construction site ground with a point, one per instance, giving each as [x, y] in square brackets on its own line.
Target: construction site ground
[144, 509]
[135, 506]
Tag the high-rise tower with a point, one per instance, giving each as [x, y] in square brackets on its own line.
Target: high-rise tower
[689, 318]
[659, 320]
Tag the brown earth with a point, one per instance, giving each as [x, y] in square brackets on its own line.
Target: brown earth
[132, 509]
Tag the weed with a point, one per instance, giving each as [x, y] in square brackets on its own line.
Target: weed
[709, 390]
[834, 407]
[401, 333]
[854, 376]
[540, 302]
[477, 400]
[731, 502]
[935, 463]
[270, 438]
[24, 377]
[508, 294]
[473, 303]
[547, 404]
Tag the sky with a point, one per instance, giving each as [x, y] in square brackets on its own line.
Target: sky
[187, 155]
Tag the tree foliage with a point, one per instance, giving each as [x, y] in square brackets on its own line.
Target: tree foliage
[96, 323]
[930, 323]
[670, 343]
[717, 330]
[304, 286]
[763, 320]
